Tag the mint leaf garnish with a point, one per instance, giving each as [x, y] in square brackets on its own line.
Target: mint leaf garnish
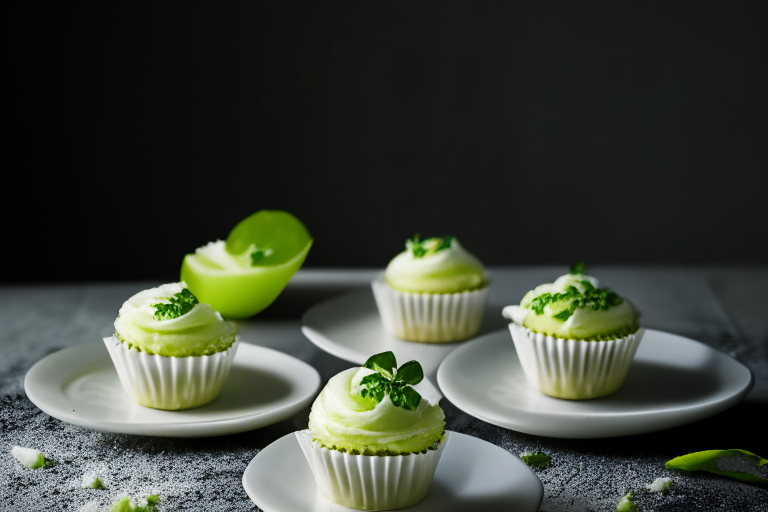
[708, 461]
[410, 373]
[385, 361]
[392, 381]
[181, 304]
[579, 268]
[257, 256]
[428, 246]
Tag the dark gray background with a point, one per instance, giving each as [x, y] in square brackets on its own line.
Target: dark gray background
[537, 132]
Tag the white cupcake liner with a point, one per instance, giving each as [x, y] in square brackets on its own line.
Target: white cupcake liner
[429, 317]
[574, 369]
[370, 482]
[170, 383]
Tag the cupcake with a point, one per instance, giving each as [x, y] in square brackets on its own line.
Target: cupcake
[373, 442]
[434, 291]
[170, 351]
[574, 339]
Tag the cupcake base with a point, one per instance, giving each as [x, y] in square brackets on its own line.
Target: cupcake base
[170, 383]
[574, 369]
[370, 482]
[429, 317]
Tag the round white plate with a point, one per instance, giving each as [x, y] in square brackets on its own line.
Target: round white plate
[472, 475]
[349, 327]
[672, 381]
[79, 385]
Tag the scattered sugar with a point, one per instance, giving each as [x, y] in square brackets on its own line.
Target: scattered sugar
[91, 506]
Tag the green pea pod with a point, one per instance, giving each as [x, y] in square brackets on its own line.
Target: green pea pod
[707, 461]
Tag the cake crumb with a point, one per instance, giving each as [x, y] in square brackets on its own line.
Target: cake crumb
[660, 484]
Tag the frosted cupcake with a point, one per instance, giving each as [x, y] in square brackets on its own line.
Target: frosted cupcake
[373, 442]
[574, 339]
[170, 351]
[434, 291]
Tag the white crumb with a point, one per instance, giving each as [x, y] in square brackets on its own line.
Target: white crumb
[27, 456]
[660, 484]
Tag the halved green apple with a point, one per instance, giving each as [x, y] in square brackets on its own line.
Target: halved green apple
[246, 274]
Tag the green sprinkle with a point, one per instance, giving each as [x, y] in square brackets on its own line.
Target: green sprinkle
[97, 484]
[536, 460]
[392, 381]
[597, 299]
[180, 304]
[428, 246]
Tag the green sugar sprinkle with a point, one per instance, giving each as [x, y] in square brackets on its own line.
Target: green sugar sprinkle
[597, 299]
[381, 453]
[181, 304]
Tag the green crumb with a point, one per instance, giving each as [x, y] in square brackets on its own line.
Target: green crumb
[627, 503]
[536, 460]
[97, 484]
[127, 505]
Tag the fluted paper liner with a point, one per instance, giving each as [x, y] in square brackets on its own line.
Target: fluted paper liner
[170, 383]
[370, 482]
[574, 369]
[430, 317]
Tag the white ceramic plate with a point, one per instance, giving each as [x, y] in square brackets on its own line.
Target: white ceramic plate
[349, 327]
[472, 475]
[672, 381]
[79, 385]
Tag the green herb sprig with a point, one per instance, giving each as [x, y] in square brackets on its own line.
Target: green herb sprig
[181, 304]
[392, 381]
[579, 268]
[428, 246]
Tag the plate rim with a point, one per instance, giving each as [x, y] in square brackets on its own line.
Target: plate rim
[710, 408]
[454, 435]
[187, 429]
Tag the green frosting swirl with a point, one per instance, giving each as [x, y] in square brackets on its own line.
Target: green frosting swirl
[574, 307]
[342, 419]
[199, 332]
[450, 270]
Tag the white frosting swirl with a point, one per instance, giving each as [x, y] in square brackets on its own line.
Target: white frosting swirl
[200, 331]
[341, 417]
[448, 271]
[584, 323]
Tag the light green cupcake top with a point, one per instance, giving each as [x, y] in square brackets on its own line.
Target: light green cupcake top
[374, 411]
[575, 307]
[435, 265]
[169, 321]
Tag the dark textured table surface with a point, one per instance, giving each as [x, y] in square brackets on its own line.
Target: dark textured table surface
[723, 307]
